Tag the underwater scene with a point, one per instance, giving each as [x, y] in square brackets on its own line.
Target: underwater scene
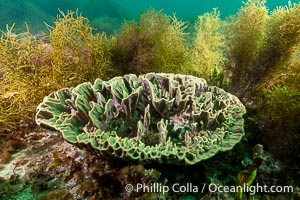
[150, 100]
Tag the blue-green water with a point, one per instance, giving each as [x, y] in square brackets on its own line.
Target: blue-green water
[112, 12]
[191, 8]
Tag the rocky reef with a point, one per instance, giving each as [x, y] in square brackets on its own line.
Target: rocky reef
[156, 117]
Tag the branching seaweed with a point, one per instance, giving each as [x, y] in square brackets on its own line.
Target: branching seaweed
[31, 68]
[154, 44]
[261, 43]
[245, 43]
[79, 55]
[24, 67]
[207, 56]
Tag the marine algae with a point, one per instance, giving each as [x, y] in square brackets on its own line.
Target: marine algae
[31, 68]
[154, 44]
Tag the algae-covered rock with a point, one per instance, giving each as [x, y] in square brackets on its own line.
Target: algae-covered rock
[156, 117]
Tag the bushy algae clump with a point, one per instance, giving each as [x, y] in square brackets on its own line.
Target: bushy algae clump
[164, 118]
[261, 43]
[207, 57]
[31, 68]
[79, 55]
[154, 44]
[24, 80]
[279, 96]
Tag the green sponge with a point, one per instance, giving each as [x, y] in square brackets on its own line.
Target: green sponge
[156, 117]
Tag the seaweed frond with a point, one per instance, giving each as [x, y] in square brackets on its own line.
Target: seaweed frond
[208, 56]
[245, 43]
[31, 68]
[78, 54]
[24, 66]
[155, 44]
